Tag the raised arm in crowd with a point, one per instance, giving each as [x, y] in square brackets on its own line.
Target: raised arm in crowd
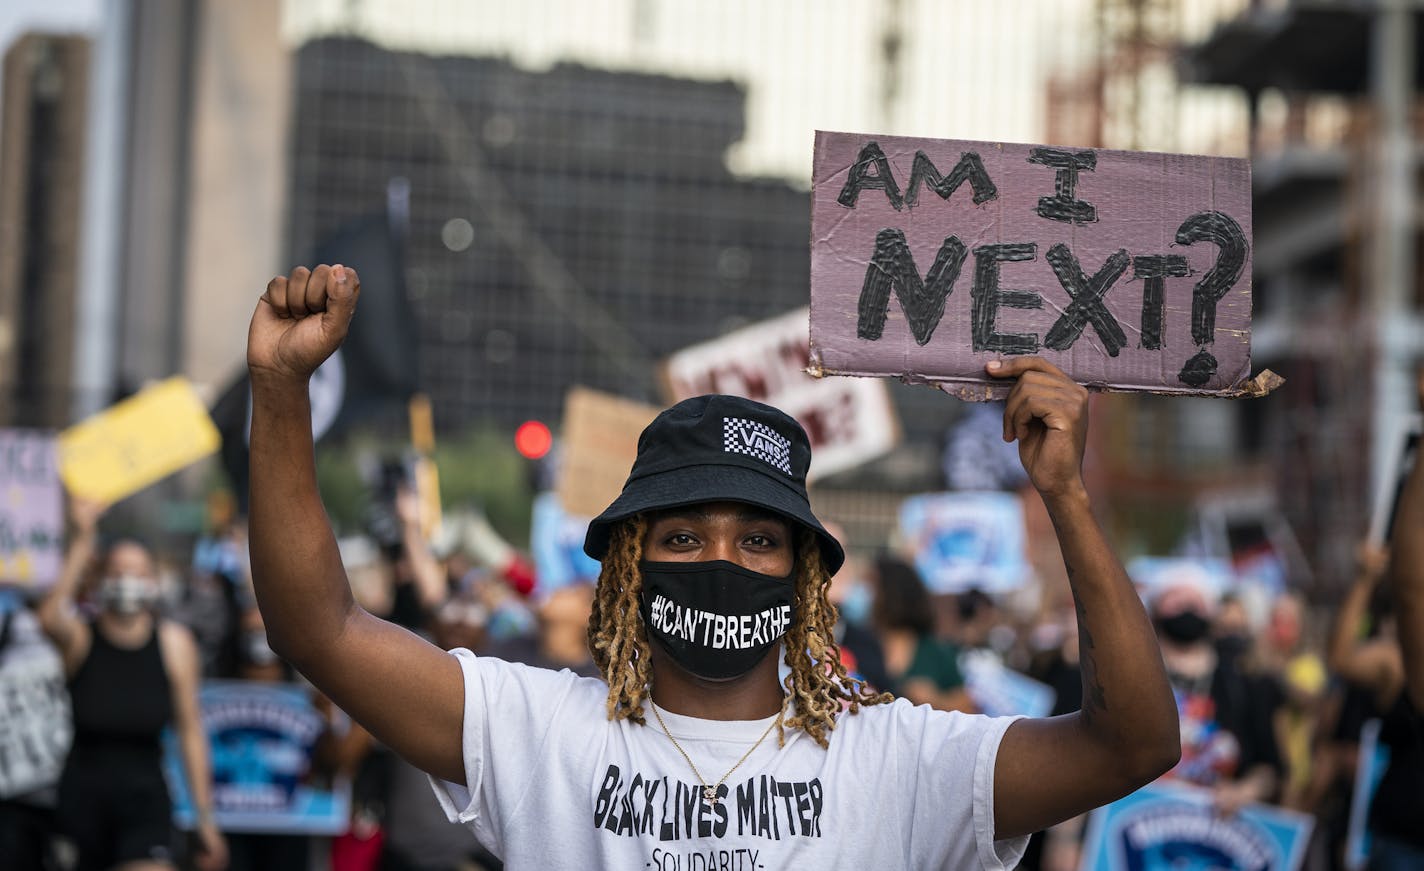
[713, 529]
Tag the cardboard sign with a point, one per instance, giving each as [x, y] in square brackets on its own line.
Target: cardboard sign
[134, 443]
[964, 541]
[1167, 826]
[599, 444]
[1128, 270]
[35, 726]
[848, 421]
[31, 508]
[262, 739]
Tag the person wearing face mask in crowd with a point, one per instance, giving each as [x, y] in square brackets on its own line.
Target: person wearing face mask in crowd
[711, 631]
[854, 598]
[1227, 714]
[921, 667]
[131, 673]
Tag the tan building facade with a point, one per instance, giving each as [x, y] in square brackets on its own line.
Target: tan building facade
[42, 141]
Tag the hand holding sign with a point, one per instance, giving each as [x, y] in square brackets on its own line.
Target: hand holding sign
[84, 515]
[1371, 561]
[300, 321]
[1048, 414]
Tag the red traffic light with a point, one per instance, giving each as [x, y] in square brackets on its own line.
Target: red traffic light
[533, 440]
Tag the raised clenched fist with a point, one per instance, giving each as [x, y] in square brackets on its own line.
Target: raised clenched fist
[301, 320]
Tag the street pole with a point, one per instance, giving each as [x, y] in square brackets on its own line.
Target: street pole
[1393, 290]
[100, 261]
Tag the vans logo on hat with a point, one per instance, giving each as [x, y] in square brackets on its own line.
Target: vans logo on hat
[741, 436]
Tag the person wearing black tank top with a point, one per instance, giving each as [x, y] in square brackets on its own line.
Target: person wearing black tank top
[131, 673]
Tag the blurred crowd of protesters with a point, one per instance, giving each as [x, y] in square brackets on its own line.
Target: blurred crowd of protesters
[1272, 694]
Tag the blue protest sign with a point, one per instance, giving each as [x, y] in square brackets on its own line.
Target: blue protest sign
[999, 691]
[262, 739]
[964, 541]
[556, 543]
[1173, 827]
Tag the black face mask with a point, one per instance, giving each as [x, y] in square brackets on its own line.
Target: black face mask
[715, 619]
[1184, 628]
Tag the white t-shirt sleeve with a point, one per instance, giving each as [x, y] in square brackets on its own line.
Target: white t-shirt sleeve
[1006, 853]
[956, 754]
[509, 710]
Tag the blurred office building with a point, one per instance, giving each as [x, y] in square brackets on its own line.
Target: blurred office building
[42, 140]
[565, 226]
[1331, 88]
[142, 164]
[1321, 95]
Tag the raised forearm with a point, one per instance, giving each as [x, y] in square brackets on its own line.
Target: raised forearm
[1127, 700]
[1126, 733]
[56, 610]
[1345, 633]
[297, 574]
[193, 747]
[427, 573]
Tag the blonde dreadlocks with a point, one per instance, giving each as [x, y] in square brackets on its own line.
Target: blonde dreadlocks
[818, 681]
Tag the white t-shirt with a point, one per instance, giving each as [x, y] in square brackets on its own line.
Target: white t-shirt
[553, 783]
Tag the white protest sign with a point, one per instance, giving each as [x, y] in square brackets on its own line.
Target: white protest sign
[35, 725]
[848, 420]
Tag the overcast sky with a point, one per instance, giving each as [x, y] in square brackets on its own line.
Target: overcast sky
[969, 69]
[55, 16]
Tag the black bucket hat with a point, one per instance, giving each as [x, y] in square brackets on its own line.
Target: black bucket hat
[718, 449]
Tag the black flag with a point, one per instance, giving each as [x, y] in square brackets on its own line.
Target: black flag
[374, 373]
[380, 349]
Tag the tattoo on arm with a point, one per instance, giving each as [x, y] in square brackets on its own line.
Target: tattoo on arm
[1094, 698]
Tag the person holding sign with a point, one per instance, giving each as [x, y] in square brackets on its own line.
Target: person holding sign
[712, 631]
[131, 674]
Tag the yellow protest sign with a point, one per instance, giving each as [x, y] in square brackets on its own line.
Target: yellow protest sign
[148, 436]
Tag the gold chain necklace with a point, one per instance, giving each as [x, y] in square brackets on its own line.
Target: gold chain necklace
[709, 792]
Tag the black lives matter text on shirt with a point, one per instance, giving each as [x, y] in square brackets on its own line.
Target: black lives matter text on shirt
[671, 811]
